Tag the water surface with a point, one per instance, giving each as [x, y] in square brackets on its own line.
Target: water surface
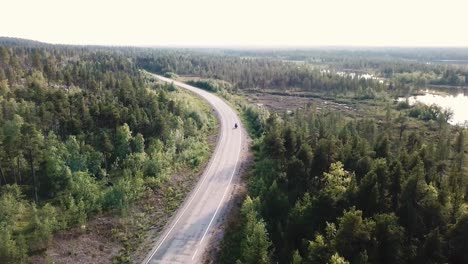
[456, 100]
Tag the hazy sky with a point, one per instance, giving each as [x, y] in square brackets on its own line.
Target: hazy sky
[239, 22]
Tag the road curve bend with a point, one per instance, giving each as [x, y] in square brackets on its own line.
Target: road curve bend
[185, 237]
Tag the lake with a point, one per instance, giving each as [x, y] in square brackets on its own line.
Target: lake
[456, 100]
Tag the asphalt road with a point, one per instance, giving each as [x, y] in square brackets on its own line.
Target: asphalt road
[185, 238]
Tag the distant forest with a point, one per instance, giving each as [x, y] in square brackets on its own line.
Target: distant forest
[83, 130]
[316, 71]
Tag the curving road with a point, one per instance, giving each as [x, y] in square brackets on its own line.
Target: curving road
[185, 238]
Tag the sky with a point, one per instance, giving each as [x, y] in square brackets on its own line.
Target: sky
[286, 23]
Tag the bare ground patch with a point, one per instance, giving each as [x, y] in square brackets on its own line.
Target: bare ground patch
[290, 102]
[90, 244]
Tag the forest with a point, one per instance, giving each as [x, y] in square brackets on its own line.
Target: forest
[83, 131]
[316, 70]
[325, 189]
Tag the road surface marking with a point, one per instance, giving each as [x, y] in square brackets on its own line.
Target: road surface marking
[195, 254]
[193, 197]
[224, 194]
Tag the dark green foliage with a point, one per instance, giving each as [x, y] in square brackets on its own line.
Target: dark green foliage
[354, 235]
[458, 241]
[205, 85]
[83, 130]
[430, 113]
[389, 236]
[255, 242]
[359, 191]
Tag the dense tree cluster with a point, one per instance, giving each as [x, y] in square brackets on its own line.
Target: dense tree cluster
[332, 190]
[260, 73]
[331, 71]
[369, 57]
[83, 131]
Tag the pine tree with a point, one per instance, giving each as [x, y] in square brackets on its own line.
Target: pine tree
[255, 243]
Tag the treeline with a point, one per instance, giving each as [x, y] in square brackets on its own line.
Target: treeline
[385, 62]
[452, 77]
[251, 73]
[353, 54]
[301, 67]
[83, 131]
[325, 189]
[315, 69]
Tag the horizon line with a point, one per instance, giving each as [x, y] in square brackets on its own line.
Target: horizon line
[246, 46]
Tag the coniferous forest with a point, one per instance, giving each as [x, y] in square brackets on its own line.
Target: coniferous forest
[84, 130]
[326, 189]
